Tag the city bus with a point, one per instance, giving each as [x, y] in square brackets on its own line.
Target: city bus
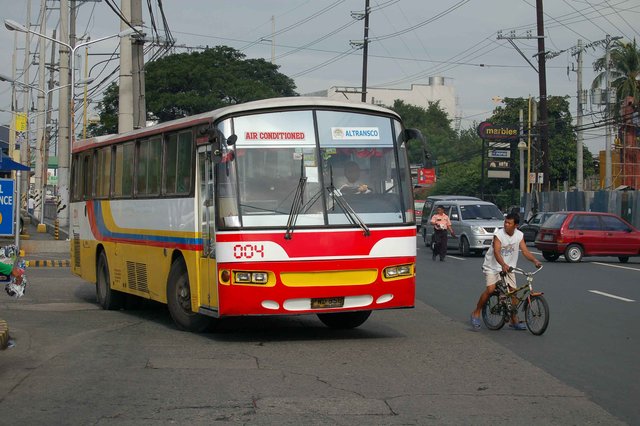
[239, 211]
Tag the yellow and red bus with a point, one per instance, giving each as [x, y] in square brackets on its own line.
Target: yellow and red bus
[239, 211]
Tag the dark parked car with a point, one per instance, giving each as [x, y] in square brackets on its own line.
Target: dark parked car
[578, 234]
[531, 227]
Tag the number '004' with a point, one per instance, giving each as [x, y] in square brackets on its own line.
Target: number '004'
[248, 251]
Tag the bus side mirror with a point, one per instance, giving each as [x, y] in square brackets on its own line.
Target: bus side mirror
[416, 134]
[216, 137]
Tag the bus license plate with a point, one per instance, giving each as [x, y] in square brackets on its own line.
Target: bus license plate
[327, 302]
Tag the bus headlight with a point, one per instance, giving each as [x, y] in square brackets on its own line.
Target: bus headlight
[246, 277]
[397, 271]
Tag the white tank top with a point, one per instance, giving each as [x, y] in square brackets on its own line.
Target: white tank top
[510, 248]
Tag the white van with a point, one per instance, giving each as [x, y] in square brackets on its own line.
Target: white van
[473, 222]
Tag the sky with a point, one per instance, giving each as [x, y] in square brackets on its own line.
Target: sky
[410, 41]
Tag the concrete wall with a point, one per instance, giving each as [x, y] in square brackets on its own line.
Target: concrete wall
[625, 204]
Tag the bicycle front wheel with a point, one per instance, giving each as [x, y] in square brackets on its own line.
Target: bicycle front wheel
[493, 313]
[536, 314]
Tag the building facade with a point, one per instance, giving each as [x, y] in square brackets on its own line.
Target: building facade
[418, 95]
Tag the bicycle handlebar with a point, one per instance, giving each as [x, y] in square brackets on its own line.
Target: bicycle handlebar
[525, 273]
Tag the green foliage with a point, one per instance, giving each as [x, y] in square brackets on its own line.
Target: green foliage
[108, 111]
[434, 125]
[624, 73]
[190, 83]
[562, 138]
[459, 168]
[457, 156]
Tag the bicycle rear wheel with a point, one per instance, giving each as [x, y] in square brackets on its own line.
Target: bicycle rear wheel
[536, 313]
[493, 313]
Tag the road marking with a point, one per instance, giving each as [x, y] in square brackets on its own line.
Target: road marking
[616, 266]
[601, 293]
[456, 257]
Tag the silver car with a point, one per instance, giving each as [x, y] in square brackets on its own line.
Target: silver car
[473, 222]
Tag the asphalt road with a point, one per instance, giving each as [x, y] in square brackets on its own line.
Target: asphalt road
[592, 342]
[76, 364]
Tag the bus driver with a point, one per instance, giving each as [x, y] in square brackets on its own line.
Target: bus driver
[353, 186]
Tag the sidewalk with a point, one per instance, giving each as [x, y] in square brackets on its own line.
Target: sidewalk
[41, 249]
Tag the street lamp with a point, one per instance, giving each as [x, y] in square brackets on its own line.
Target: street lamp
[522, 147]
[41, 170]
[64, 191]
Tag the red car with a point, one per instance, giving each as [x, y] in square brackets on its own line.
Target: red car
[578, 234]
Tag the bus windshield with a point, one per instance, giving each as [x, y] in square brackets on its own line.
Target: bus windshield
[335, 167]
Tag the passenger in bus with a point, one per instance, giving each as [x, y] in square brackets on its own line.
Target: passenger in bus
[353, 185]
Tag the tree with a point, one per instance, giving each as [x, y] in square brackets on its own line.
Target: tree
[190, 83]
[108, 112]
[562, 138]
[434, 124]
[624, 72]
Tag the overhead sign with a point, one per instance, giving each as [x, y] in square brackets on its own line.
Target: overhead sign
[487, 130]
[21, 122]
[499, 174]
[426, 176]
[497, 164]
[6, 207]
[499, 145]
[499, 153]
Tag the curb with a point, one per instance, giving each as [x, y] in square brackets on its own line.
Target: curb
[4, 334]
[48, 263]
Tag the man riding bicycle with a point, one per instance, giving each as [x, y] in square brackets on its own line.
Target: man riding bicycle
[507, 243]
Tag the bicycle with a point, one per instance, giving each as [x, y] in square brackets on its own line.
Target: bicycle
[501, 306]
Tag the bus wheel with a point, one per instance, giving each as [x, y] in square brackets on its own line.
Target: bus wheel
[344, 320]
[179, 300]
[108, 298]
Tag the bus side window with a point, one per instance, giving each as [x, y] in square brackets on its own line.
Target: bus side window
[123, 170]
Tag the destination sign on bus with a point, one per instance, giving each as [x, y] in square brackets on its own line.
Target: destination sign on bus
[351, 133]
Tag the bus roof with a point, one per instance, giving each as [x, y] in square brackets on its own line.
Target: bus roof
[293, 102]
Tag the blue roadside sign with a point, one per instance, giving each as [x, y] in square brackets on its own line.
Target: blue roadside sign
[6, 207]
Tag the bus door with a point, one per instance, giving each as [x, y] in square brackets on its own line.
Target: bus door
[208, 271]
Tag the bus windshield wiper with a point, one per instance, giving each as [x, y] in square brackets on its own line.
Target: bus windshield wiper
[349, 212]
[297, 203]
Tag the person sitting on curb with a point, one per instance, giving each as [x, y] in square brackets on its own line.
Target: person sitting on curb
[10, 270]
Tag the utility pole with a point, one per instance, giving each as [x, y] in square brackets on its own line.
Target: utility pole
[273, 39]
[137, 68]
[580, 113]
[364, 44]
[131, 104]
[24, 145]
[40, 167]
[64, 130]
[12, 127]
[47, 133]
[611, 100]
[125, 97]
[365, 51]
[542, 84]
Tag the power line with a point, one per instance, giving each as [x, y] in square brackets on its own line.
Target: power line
[423, 23]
